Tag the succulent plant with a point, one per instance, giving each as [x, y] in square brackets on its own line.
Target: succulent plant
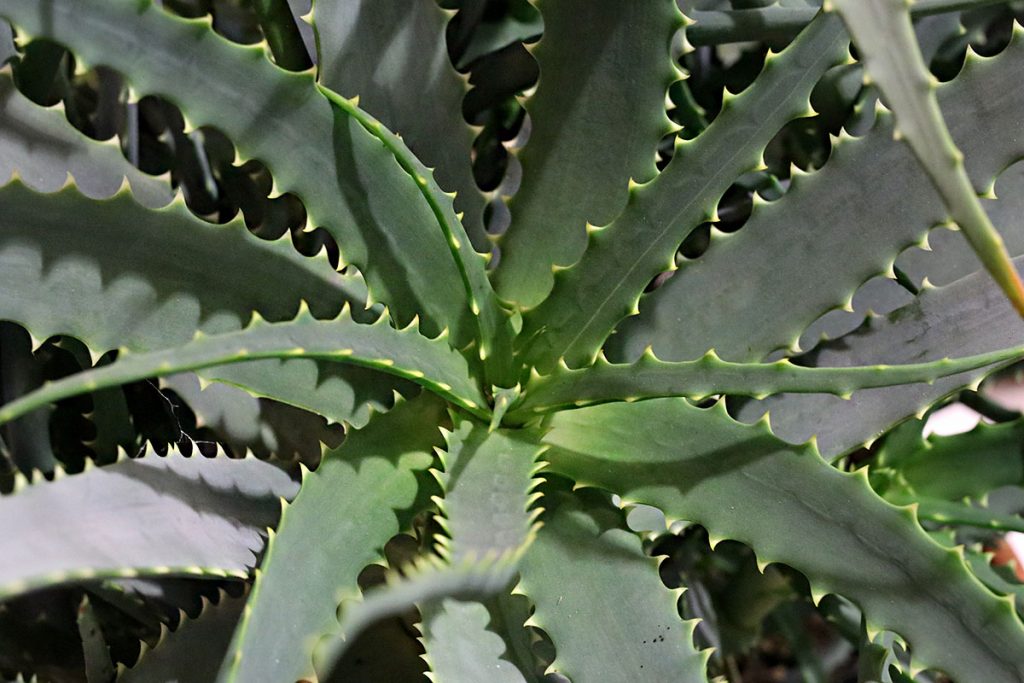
[542, 361]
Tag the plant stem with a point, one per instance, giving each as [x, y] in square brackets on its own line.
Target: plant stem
[782, 23]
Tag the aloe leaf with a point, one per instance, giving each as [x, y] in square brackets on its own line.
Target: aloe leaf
[781, 22]
[865, 184]
[375, 49]
[967, 465]
[170, 274]
[609, 89]
[971, 316]
[264, 427]
[477, 32]
[492, 321]
[54, 243]
[138, 517]
[98, 666]
[585, 568]
[350, 500]
[487, 478]
[959, 514]
[949, 257]
[39, 146]
[709, 375]
[509, 612]
[380, 225]
[885, 38]
[742, 483]
[378, 346]
[461, 649]
[192, 652]
[590, 298]
[486, 483]
[344, 394]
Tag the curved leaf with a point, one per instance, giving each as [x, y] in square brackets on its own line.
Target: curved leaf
[403, 353]
[971, 316]
[487, 480]
[460, 648]
[790, 506]
[348, 177]
[596, 119]
[139, 517]
[493, 322]
[710, 375]
[798, 257]
[602, 602]
[376, 50]
[143, 278]
[39, 146]
[967, 465]
[590, 298]
[339, 523]
[192, 652]
[885, 39]
[147, 279]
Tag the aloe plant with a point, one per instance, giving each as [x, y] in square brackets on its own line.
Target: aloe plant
[552, 367]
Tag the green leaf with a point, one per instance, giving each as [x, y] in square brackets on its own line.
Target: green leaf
[40, 147]
[264, 427]
[139, 517]
[596, 119]
[143, 278]
[98, 666]
[338, 524]
[798, 257]
[460, 648]
[590, 298]
[487, 483]
[492, 321]
[192, 652]
[709, 375]
[969, 316]
[967, 465]
[347, 176]
[340, 393]
[479, 33]
[959, 514]
[375, 49]
[790, 506]
[779, 21]
[403, 353]
[949, 257]
[885, 39]
[601, 600]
